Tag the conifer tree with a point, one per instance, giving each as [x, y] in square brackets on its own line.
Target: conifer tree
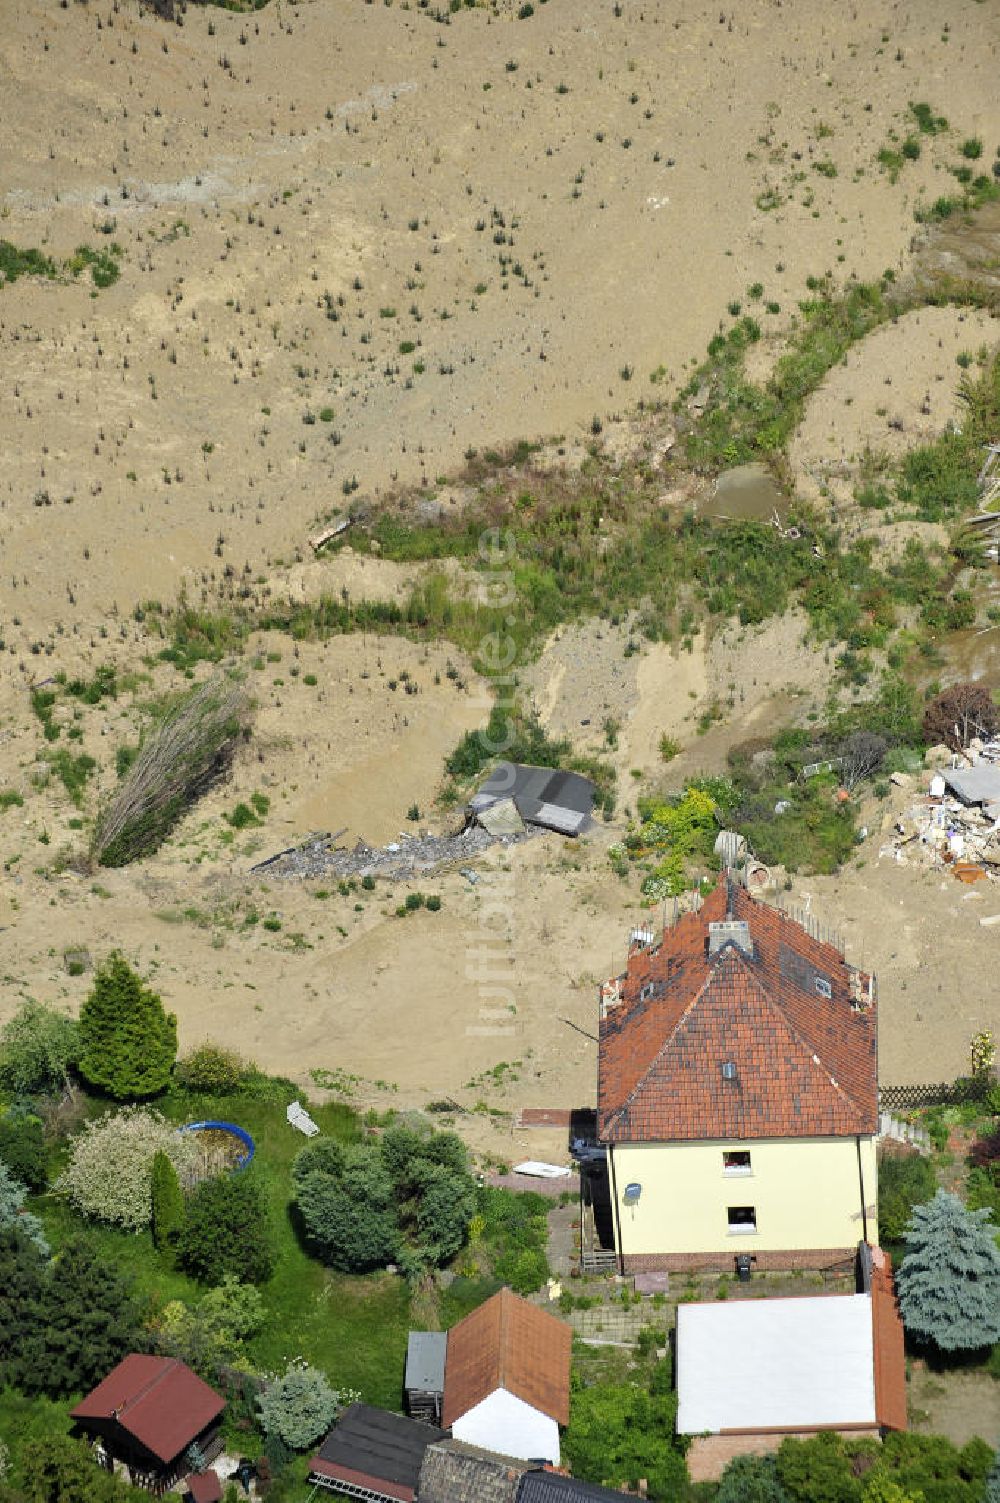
[129, 1041]
[168, 1202]
[949, 1280]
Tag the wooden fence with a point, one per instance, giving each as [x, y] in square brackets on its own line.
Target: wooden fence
[947, 1093]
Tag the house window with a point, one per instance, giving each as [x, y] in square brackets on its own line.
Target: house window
[742, 1220]
[736, 1162]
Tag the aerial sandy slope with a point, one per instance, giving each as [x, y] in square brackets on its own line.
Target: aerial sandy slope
[539, 208]
[297, 196]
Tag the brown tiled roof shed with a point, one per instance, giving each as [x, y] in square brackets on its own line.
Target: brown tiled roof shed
[511, 1344]
[795, 1025]
[158, 1401]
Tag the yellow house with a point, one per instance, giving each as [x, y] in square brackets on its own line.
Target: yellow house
[738, 1095]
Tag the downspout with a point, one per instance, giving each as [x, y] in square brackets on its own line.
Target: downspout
[861, 1184]
[614, 1203]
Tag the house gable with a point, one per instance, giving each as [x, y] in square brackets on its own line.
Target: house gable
[791, 1022]
[505, 1423]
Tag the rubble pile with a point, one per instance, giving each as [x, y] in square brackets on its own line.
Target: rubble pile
[409, 856]
[955, 823]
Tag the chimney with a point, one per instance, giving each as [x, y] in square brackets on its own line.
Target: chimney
[730, 931]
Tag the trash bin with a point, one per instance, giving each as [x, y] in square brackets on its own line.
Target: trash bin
[744, 1262]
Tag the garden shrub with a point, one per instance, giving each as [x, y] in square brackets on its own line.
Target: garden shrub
[211, 1070]
[905, 1180]
[514, 1230]
[22, 1148]
[226, 1231]
[620, 1433]
[39, 1050]
[408, 1198]
[213, 1332]
[109, 1173]
[299, 1407]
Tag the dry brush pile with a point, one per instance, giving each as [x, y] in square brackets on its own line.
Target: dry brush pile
[178, 762]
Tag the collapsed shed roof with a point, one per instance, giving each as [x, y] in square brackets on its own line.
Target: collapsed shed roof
[974, 785]
[547, 796]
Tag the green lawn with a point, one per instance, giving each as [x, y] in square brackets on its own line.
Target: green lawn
[353, 1328]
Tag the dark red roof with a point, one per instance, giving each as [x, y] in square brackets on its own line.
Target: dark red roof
[888, 1344]
[204, 1487]
[796, 1022]
[157, 1400]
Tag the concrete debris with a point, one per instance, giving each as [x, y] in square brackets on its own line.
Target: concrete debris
[410, 856]
[954, 824]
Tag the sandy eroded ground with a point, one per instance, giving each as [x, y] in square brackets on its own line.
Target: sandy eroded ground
[895, 391]
[302, 195]
[536, 208]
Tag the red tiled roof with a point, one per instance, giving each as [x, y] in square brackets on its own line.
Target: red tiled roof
[806, 1063]
[158, 1400]
[204, 1487]
[508, 1343]
[888, 1343]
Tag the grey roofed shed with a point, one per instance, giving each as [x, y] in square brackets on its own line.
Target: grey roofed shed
[546, 796]
[974, 785]
[424, 1380]
[425, 1354]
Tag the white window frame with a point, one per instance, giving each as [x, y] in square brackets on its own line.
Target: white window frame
[737, 1171]
[741, 1228]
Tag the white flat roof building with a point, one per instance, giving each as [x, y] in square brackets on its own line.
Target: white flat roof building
[776, 1364]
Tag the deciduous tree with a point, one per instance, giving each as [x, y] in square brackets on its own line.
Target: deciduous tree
[213, 1331]
[39, 1048]
[959, 713]
[109, 1174]
[59, 1469]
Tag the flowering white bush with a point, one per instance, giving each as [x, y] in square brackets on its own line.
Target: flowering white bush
[108, 1175]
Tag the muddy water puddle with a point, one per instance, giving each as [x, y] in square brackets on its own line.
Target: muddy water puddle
[965, 246]
[748, 493]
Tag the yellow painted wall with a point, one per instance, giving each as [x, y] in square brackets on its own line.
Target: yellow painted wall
[806, 1193]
